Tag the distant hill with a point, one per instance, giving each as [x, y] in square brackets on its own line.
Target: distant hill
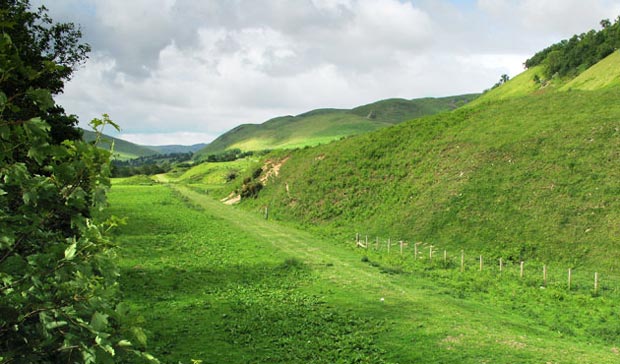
[325, 125]
[125, 150]
[122, 149]
[168, 149]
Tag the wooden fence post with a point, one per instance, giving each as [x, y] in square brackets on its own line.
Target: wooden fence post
[595, 282]
[500, 265]
[357, 238]
[389, 244]
[430, 253]
[401, 247]
[569, 276]
[415, 251]
[481, 263]
[445, 257]
[521, 270]
[366, 242]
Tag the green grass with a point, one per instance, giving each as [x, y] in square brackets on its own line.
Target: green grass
[325, 125]
[222, 285]
[214, 173]
[521, 85]
[528, 177]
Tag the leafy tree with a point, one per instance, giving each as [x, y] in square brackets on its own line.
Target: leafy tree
[572, 56]
[50, 53]
[58, 288]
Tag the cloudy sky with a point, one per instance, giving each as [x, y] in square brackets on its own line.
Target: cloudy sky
[186, 71]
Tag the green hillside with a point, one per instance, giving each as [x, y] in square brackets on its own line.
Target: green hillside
[325, 125]
[122, 149]
[528, 177]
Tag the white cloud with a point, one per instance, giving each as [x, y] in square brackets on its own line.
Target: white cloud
[182, 67]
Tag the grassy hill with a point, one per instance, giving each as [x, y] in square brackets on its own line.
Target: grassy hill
[525, 177]
[122, 149]
[325, 125]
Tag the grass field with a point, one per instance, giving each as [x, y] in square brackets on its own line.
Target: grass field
[222, 285]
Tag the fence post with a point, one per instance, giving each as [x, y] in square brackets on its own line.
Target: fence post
[521, 270]
[415, 251]
[569, 274]
[500, 265]
[366, 242]
[401, 247]
[389, 244]
[430, 253]
[377, 242]
[481, 263]
[595, 282]
[445, 257]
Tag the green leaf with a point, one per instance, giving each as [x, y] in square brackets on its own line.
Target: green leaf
[55, 324]
[124, 343]
[41, 97]
[99, 321]
[3, 101]
[70, 251]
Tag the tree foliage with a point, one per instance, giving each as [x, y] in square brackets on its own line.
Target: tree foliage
[58, 283]
[572, 56]
[49, 55]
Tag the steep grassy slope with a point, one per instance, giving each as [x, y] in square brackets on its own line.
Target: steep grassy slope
[533, 176]
[325, 125]
[521, 85]
[122, 148]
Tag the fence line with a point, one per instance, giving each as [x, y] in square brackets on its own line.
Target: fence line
[503, 265]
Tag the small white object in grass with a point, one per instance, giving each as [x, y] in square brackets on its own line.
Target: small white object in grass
[382, 299]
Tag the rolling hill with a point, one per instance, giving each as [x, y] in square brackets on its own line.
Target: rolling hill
[519, 173]
[325, 125]
[123, 149]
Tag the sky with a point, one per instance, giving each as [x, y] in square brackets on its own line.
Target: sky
[186, 71]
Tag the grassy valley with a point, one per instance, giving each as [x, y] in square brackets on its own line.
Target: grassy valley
[515, 189]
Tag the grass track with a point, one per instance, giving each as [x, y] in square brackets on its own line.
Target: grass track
[190, 275]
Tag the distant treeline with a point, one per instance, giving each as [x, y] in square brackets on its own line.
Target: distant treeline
[149, 165]
[575, 55]
[233, 154]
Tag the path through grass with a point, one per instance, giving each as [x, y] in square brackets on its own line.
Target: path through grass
[217, 284]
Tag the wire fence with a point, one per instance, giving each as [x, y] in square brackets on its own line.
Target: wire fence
[533, 273]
